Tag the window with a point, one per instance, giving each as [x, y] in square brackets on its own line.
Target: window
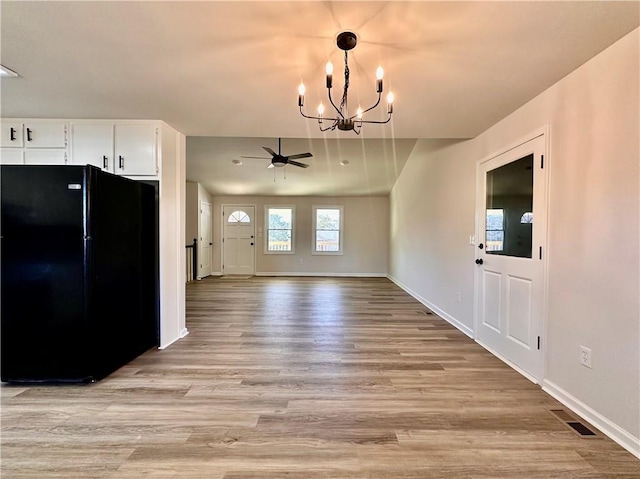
[239, 217]
[495, 230]
[327, 229]
[526, 218]
[279, 225]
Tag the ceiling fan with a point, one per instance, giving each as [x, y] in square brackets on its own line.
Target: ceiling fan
[279, 160]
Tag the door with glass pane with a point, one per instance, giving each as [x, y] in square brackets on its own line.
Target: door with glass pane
[511, 236]
[238, 256]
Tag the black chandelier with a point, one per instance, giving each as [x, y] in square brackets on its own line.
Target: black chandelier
[346, 41]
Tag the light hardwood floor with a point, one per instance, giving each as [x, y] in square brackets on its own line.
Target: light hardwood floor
[303, 378]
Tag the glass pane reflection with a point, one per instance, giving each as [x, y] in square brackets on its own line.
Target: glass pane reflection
[509, 197]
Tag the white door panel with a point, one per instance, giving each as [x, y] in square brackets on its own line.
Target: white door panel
[511, 218]
[238, 244]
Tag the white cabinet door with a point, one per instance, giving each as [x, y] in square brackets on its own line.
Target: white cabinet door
[45, 135]
[11, 135]
[10, 156]
[45, 157]
[92, 144]
[135, 150]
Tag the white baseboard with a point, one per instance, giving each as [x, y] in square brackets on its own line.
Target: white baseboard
[166, 345]
[615, 432]
[184, 333]
[325, 275]
[447, 317]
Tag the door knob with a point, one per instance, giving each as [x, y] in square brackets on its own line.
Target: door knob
[479, 261]
[480, 246]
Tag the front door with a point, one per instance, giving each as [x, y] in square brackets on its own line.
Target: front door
[238, 255]
[511, 219]
[205, 239]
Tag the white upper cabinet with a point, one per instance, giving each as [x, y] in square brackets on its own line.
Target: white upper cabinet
[11, 135]
[123, 148]
[45, 135]
[136, 148]
[11, 156]
[33, 142]
[92, 144]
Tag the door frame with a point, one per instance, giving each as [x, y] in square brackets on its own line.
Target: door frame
[255, 222]
[201, 242]
[544, 131]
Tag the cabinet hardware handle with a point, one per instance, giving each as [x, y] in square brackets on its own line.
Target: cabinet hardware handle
[121, 162]
[29, 134]
[13, 134]
[105, 162]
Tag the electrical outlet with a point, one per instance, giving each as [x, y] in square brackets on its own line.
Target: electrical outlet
[585, 357]
[459, 297]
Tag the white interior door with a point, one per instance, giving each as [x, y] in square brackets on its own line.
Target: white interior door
[206, 241]
[238, 255]
[511, 219]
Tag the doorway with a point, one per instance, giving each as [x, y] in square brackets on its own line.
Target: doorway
[511, 219]
[206, 242]
[238, 240]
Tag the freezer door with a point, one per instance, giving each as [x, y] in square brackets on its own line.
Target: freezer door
[43, 270]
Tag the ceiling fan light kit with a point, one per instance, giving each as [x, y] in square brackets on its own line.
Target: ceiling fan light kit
[343, 121]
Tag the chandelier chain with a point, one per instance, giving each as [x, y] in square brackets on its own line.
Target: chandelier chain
[343, 103]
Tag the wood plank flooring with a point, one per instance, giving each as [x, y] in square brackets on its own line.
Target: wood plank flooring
[305, 378]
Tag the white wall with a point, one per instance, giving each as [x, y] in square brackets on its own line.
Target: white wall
[172, 232]
[366, 236]
[594, 213]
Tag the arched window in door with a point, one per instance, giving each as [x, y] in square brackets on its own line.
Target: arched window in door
[239, 217]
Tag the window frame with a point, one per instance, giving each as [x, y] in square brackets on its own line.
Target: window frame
[267, 229]
[314, 218]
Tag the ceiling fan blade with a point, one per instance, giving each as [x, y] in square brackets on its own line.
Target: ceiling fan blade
[300, 155]
[296, 163]
[256, 157]
[270, 165]
[269, 150]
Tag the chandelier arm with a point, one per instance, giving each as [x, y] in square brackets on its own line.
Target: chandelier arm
[317, 117]
[378, 122]
[370, 108]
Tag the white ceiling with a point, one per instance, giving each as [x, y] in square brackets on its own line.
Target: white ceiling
[231, 69]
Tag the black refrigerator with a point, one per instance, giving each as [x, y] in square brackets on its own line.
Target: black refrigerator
[79, 272]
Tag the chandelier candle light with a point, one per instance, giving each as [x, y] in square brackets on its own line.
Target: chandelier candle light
[346, 41]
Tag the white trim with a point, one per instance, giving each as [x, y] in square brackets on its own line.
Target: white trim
[326, 275]
[608, 427]
[184, 333]
[165, 346]
[543, 130]
[447, 317]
